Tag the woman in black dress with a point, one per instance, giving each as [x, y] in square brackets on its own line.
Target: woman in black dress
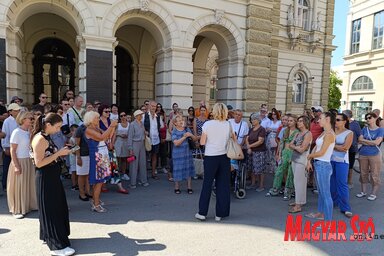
[53, 208]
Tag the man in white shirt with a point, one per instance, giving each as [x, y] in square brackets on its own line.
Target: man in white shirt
[152, 125]
[68, 118]
[264, 117]
[78, 111]
[9, 125]
[239, 127]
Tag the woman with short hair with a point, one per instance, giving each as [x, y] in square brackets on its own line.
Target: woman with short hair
[99, 163]
[301, 146]
[370, 157]
[21, 189]
[215, 136]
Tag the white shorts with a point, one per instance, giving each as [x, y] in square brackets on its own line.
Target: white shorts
[84, 169]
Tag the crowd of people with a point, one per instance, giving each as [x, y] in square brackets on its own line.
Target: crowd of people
[101, 145]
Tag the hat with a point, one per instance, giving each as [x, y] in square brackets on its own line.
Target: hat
[14, 106]
[229, 107]
[317, 109]
[138, 112]
[14, 98]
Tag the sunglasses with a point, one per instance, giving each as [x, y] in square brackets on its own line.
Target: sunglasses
[339, 120]
[44, 97]
[189, 110]
[368, 118]
[67, 104]
[107, 112]
[123, 115]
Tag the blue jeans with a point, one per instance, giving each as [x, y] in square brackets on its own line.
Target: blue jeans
[216, 168]
[323, 176]
[339, 185]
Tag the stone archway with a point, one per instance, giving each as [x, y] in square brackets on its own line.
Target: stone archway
[30, 21]
[217, 41]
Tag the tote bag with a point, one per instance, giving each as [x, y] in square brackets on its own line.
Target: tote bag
[198, 162]
[147, 143]
[234, 150]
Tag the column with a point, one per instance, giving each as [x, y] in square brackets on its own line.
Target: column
[174, 77]
[201, 80]
[96, 82]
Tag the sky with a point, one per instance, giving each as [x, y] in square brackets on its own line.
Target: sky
[339, 28]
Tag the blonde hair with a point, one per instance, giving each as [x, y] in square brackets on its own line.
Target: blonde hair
[22, 116]
[175, 117]
[220, 112]
[90, 116]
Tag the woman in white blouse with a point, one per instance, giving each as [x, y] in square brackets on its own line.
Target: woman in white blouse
[21, 193]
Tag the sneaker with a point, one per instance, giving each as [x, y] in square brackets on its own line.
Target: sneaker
[133, 186]
[18, 216]
[218, 219]
[63, 252]
[125, 177]
[164, 170]
[145, 184]
[350, 186]
[361, 194]
[348, 214]
[372, 197]
[260, 189]
[200, 217]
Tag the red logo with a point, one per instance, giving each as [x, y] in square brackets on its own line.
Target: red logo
[334, 230]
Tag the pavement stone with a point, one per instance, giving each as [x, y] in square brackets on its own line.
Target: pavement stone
[155, 221]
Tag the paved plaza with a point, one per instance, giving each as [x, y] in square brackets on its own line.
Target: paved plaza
[155, 221]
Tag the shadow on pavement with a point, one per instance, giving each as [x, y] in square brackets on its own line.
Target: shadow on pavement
[126, 246]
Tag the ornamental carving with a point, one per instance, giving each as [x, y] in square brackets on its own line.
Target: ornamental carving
[144, 5]
[219, 15]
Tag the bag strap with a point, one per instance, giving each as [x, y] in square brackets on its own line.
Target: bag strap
[77, 114]
[68, 118]
[238, 131]
[370, 138]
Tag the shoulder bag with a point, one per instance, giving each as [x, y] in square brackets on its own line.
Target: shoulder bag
[234, 150]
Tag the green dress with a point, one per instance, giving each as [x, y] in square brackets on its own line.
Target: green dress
[285, 165]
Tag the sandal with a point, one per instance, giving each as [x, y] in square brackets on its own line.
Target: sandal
[294, 210]
[170, 179]
[372, 197]
[292, 204]
[155, 177]
[313, 215]
[190, 191]
[177, 191]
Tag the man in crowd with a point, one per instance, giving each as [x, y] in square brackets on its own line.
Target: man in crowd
[239, 127]
[43, 98]
[77, 110]
[8, 126]
[152, 125]
[379, 121]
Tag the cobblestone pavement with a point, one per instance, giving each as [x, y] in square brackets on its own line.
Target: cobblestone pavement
[155, 221]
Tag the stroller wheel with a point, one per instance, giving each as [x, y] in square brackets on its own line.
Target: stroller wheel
[240, 194]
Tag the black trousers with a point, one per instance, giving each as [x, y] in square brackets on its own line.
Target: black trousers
[216, 168]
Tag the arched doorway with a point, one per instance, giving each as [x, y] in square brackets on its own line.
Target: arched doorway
[54, 69]
[124, 95]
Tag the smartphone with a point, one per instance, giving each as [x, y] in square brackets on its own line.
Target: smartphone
[74, 148]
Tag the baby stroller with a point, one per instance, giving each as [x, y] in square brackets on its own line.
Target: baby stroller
[239, 175]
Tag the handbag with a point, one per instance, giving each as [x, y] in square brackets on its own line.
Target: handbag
[147, 143]
[234, 150]
[198, 163]
[168, 136]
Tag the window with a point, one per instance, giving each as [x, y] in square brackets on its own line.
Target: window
[378, 30]
[355, 42]
[298, 89]
[303, 14]
[362, 83]
[360, 108]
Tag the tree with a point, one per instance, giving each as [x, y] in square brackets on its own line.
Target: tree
[334, 91]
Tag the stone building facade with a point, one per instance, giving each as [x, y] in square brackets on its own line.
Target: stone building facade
[363, 67]
[240, 52]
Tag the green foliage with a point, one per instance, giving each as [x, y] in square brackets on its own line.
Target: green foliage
[334, 91]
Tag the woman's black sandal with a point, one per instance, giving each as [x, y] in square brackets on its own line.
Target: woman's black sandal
[177, 191]
[190, 191]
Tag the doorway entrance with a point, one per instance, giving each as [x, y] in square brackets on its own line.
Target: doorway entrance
[124, 95]
[54, 69]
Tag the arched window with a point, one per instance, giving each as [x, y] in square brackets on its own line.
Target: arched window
[298, 85]
[362, 83]
[303, 14]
